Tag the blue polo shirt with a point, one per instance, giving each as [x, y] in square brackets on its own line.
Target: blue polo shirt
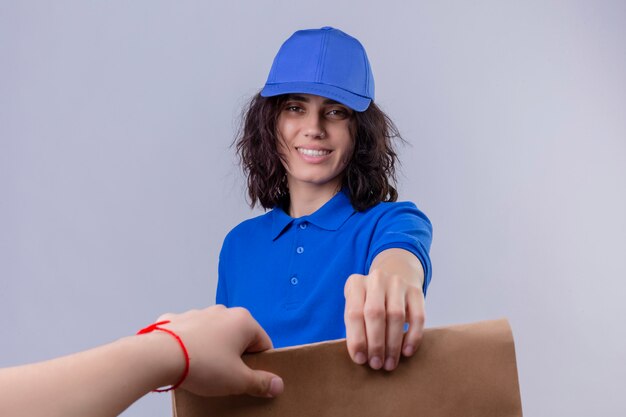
[290, 273]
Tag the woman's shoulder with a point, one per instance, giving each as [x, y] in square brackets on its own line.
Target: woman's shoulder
[251, 226]
[391, 206]
[394, 211]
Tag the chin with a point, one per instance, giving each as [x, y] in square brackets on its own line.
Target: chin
[316, 181]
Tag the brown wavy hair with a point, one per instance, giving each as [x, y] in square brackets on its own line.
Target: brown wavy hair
[370, 175]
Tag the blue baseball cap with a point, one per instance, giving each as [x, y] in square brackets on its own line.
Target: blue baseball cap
[326, 62]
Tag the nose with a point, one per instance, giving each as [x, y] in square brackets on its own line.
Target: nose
[314, 127]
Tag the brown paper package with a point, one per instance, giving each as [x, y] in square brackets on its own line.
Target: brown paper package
[461, 370]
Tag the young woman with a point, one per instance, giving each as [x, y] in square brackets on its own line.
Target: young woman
[317, 152]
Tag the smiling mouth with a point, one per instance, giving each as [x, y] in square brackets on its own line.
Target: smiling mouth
[313, 152]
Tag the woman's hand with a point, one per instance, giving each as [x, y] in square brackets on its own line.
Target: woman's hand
[379, 304]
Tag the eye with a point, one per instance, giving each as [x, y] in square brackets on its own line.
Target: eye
[293, 108]
[338, 114]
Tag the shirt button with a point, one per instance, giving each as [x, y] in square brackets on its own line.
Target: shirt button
[303, 226]
[299, 249]
[294, 281]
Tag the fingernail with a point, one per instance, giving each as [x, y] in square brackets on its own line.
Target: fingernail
[390, 364]
[376, 362]
[360, 358]
[276, 387]
[408, 350]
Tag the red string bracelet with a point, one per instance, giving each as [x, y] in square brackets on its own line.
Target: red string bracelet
[154, 327]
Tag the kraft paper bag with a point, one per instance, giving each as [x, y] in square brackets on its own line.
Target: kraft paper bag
[461, 370]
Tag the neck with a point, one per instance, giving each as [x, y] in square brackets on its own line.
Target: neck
[308, 198]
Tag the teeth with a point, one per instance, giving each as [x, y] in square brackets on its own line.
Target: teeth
[313, 152]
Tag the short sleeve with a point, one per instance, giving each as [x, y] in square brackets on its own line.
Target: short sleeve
[403, 225]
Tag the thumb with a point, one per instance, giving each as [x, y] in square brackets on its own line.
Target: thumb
[264, 384]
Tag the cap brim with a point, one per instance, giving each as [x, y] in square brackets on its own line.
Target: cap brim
[354, 101]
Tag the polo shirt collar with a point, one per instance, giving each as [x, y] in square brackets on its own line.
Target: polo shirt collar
[330, 216]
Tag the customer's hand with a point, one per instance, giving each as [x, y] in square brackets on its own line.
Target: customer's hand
[215, 338]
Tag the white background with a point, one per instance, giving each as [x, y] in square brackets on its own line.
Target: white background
[117, 183]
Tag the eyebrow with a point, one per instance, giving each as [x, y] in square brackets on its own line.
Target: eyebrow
[297, 97]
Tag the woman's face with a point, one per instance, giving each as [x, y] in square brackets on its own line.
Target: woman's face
[315, 140]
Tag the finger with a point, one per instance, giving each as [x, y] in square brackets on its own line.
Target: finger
[356, 341]
[264, 384]
[257, 339]
[260, 340]
[375, 322]
[395, 312]
[416, 318]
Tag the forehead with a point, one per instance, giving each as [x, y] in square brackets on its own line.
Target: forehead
[309, 98]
